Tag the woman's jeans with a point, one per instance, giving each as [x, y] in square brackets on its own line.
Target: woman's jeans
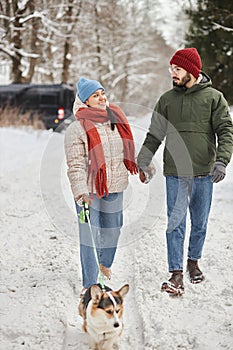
[106, 217]
[194, 193]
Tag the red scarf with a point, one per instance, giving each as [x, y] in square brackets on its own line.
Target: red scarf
[97, 166]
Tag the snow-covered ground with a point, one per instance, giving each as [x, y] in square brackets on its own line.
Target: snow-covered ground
[40, 268]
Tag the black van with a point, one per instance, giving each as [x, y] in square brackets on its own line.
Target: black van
[53, 102]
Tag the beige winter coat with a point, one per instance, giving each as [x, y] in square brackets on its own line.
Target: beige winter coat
[76, 150]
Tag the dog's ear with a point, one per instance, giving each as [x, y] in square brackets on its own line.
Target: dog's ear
[96, 294]
[123, 291]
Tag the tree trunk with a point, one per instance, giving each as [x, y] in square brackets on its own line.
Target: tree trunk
[16, 40]
[34, 45]
[67, 56]
[98, 44]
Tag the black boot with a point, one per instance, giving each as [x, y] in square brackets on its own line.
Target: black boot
[195, 274]
[175, 284]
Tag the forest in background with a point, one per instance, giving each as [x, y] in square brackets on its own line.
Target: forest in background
[126, 45]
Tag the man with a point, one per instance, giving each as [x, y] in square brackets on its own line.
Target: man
[194, 119]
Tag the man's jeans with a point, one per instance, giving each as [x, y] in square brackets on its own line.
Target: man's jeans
[194, 193]
[106, 217]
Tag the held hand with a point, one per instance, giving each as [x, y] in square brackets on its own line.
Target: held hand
[142, 176]
[218, 172]
[146, 173]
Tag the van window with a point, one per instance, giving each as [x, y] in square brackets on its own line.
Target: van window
[49, 99]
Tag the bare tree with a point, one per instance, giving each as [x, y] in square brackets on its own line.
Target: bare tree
[71, 16]
[113, 41]
[11, 43]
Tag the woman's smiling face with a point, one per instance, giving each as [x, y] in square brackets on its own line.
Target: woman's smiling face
[97, 100]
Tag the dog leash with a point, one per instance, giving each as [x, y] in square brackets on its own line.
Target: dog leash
[84, 216]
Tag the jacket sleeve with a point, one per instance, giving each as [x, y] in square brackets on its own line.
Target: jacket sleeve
[223, 128]
[154, 137]
[76, 158]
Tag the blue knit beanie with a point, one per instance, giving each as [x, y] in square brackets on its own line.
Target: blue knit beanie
[87, 87]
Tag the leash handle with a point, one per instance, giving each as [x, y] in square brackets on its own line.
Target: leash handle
[84, 213]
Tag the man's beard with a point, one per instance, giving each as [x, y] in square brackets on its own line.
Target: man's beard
[183, 81]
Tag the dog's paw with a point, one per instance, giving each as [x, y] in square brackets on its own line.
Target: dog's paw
[93, 345]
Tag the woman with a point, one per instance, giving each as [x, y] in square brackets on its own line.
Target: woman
[100, 152]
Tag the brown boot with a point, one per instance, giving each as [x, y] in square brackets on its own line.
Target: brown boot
[195, 274]
[175, 284]
[106, 271]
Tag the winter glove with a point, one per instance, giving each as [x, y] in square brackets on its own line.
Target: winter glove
[146, 173]
[218, 172]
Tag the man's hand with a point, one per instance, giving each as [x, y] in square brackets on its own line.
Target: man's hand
[218, 172]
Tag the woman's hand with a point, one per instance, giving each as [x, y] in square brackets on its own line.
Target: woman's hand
[142, 176]
[84, 198]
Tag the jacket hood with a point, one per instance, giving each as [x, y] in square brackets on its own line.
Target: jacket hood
[203, 83]
[205, 79]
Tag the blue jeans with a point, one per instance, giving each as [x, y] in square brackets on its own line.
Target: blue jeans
[194, 193]
[106, 217]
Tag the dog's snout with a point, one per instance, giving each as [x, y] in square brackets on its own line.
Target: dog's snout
[116, 324]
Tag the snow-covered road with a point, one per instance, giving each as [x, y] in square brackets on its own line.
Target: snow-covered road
[40, 268]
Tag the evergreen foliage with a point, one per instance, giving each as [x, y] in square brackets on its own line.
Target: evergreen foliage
[211, 32]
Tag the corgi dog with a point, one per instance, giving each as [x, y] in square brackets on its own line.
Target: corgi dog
[102, 312]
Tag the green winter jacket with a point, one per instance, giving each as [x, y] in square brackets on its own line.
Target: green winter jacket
[198, 129]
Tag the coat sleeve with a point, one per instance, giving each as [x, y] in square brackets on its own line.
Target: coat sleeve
[154, 136]
[76, 158]
[223, 128]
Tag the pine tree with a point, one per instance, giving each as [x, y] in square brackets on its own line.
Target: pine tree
[211, 32]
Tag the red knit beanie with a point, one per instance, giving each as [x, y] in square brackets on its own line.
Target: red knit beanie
[189, 60]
